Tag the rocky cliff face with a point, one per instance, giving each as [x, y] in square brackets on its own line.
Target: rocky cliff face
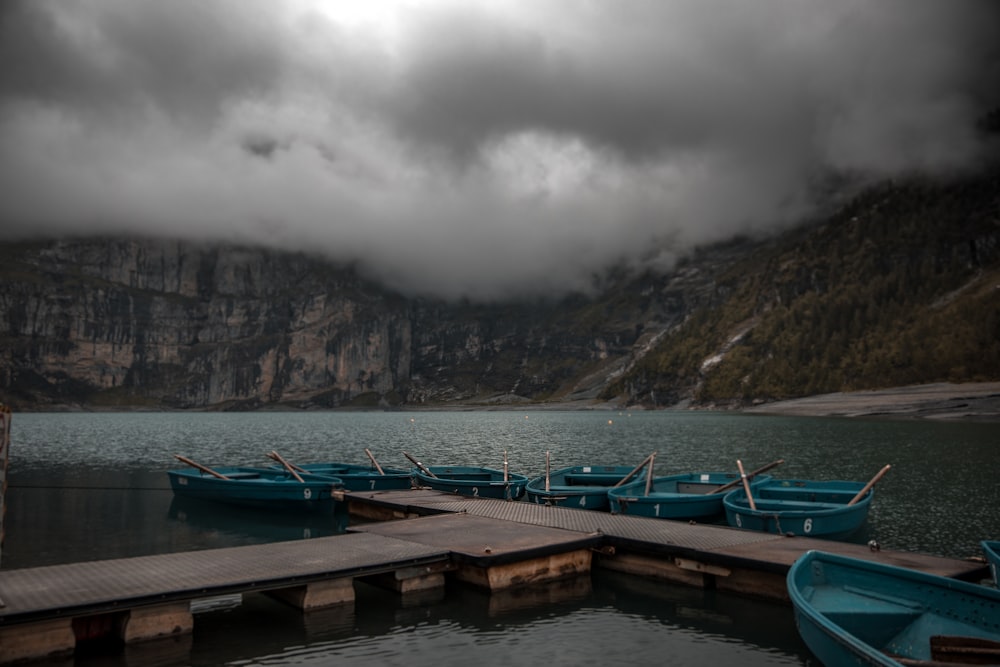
[115, 323]
[899, 287]
[170, 325]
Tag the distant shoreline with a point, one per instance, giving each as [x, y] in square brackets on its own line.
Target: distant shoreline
[974, 401]
[943, 401]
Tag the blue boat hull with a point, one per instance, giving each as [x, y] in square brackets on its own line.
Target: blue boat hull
[582, 487]
[991, 549]
[265, 488]
[687, 496]
[855, 612]
[361, 477]
[800, 507]
[472, 481]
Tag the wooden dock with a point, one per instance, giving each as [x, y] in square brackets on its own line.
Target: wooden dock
[410, 541]
[47, 610]
[708, 556]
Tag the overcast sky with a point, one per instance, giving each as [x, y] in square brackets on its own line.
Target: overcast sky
[473, 147]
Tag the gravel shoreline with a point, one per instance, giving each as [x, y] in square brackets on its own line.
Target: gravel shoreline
[977, 401]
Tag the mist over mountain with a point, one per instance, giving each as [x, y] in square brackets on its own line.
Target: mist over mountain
[478, 150]
[900, 286]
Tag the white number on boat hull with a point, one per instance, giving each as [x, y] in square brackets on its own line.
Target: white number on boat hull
[307, 493]
[807, 525]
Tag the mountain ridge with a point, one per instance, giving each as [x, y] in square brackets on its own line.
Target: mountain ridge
[900, 286]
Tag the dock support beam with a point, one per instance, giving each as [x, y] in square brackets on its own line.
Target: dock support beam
[413, 579]
[665, 569]
[532, 571]
[742, 581]
[317, 594]
[43, 639]
[165, 620]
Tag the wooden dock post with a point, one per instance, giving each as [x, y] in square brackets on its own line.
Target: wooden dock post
[541, 569]
[5, 415]
[317, 594]
[155, 622]
[408, 580]
[30, 641]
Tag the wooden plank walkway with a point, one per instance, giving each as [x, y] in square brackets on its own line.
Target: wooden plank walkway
[494, 544]
[693, 545]
[107, 585]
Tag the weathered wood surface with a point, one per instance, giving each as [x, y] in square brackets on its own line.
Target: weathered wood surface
[709, 544]
[92, 587]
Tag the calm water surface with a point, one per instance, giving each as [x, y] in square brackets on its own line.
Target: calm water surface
[93, 486]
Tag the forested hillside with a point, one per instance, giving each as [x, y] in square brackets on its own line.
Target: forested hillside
[902, 286]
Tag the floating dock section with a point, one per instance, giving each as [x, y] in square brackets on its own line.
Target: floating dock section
[412, 542]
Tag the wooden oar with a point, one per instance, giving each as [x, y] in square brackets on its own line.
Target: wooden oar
[746, 485]
[634, 471]
[547, 487]
[870, 484]
[729, 485]
[288, 466]
[274, 456]
[649, 473]
[951, 649]
[374, 462]
[420, 465]
[199, 466]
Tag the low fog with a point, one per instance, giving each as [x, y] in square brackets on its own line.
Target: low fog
[475, 148]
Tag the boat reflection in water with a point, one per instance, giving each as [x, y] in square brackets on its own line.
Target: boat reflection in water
[257, 524]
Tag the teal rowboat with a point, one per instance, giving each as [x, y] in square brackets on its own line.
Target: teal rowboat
[686, 496]
[800, 507]
[584, 487]
[471, 481]
[851, 611]
[991, 549]
[266, 488]
[359, 477]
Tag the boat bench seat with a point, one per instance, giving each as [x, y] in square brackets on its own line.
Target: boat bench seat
[592, 480]
[792, 493]
[775, 505]
[864, 613]
[243, 475]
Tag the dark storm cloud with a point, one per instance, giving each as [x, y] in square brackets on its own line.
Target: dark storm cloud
[476, 148]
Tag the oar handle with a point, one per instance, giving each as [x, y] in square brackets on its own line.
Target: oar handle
[548, 486]
[274, 456]
[649, 473]
[419, 465]
[869, 485]
[374, 462]
[288, 466]
[729, 485]
[635, 470]
[199, 466]
[746, 485]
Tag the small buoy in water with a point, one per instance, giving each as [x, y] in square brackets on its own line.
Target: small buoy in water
[610, 421]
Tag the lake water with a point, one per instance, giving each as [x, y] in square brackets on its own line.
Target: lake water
[93, 486]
